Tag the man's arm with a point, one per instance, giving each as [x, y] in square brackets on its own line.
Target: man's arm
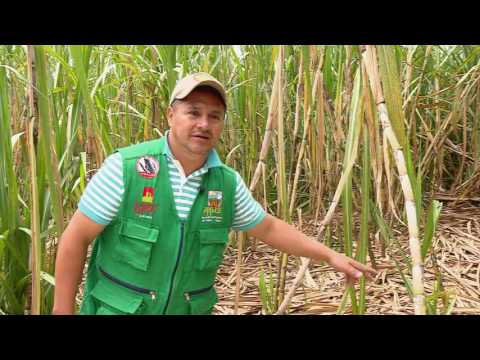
[286, 238]
[72, 252]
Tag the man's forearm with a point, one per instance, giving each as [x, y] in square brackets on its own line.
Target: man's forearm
[286, 238]
[68, 273]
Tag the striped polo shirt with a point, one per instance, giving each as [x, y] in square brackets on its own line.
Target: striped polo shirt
[103, 194]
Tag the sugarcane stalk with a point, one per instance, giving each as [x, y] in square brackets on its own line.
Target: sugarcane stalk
[36, 253]
[301, 152]
[281, 178]
[328, 218]
[47, 147]
[267, 139]
[370, 60]
[31, 138]
[300, 91]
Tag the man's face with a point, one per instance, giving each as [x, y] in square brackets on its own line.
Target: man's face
[196, 122]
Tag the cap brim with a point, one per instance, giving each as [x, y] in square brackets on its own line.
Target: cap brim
[186, 91]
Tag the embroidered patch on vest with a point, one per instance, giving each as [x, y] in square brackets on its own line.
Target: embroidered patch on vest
[147, 166]
[147, 205]
[213, 211]
[147, 195]
[142, 208]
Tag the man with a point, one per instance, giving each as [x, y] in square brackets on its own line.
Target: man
[161, 211]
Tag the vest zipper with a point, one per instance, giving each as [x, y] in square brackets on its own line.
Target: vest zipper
[152, 293]
[189, 294]
[182, 227]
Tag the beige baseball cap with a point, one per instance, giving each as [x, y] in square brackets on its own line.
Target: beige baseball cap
[186, 85]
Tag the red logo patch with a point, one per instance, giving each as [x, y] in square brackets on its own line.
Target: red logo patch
[147, 195]
[147, 205]
[142, 208]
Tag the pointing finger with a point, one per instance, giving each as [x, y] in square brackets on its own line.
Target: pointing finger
[367, 270]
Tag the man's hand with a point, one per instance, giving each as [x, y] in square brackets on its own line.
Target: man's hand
[353, 269]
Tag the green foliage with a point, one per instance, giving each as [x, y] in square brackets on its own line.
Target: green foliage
[431, 224]
[267, 292]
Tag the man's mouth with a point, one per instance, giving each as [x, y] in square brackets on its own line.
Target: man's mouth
[201, 136]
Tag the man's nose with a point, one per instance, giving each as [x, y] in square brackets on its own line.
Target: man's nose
[203, 121]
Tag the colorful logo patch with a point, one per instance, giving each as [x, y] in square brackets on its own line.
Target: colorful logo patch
[147, 205]
[213, 211]
[147, 195]
[148, 166]
[215, 199]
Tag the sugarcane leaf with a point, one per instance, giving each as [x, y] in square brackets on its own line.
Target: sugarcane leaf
[406, 281]
[431, 224]
[385, 230]
[16, 137]
[47, 277]
[264, 293]
[3, 238]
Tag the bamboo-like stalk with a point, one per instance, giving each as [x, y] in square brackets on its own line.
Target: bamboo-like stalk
[438, 162]
[270, 126]
[375, 148]
[376, 153]
[267, 139]
[365, 217]
[347, 93]
[408, 75]
[476, 132]
[464, 147]
[33, 114]
[369, 58]
[281, 177]
[35, 258]
[308, 105]
[48, 143]
[12, 254]
[354, 131]
[320, 147]
[240, 240]
[388, 175]
[299, 93]
[36, 255]
[32, 98]
[328, 218]
[306, 128]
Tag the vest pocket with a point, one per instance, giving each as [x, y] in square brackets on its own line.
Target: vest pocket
[114, 300]
[201, 301]
[135, 244]
[212, 245]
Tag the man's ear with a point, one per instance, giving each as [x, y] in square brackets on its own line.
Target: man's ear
[169, 115]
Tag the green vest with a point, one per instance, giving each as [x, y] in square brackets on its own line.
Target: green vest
[147, 260]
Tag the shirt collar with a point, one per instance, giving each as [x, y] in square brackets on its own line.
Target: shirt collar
[213, 160]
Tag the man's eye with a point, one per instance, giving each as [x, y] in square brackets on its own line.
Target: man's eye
[194, 113]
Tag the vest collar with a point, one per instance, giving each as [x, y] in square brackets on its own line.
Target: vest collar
[213, 160]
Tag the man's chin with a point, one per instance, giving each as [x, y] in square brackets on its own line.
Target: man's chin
[200, 150]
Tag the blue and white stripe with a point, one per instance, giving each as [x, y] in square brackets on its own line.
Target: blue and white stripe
[103, 195]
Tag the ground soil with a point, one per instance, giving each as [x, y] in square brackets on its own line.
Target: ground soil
[456, 247]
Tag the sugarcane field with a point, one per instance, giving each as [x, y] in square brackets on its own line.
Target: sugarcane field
[372, 151]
